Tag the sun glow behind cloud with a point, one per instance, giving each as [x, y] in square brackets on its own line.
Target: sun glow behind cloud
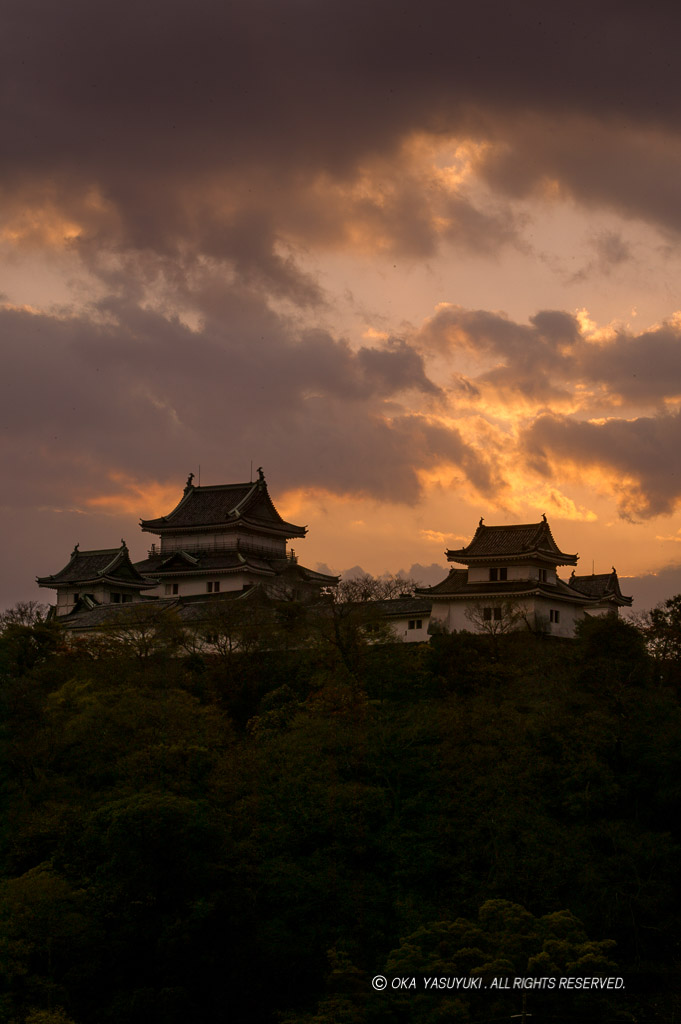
[132, 497]
[418, 291]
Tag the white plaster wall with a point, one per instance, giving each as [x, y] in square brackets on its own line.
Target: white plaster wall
[400, 628]
[67, 598]
[453, 615]
[190, 585]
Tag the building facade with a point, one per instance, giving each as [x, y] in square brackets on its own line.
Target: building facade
[228, 543]
[511, 583]
[91, 578]
[218, 542]
[227, 537]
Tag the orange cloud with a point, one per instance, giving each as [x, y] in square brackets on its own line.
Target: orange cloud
[146, 500]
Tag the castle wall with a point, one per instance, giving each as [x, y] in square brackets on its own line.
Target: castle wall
[189, 586]
[526, 613]
[480, 574]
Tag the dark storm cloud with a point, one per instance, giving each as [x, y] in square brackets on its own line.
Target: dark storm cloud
[192, 151]
[616, 164]
[200, 127]
[140, 394]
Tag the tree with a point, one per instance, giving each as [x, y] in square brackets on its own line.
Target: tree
[24, 613]
[661, 630]
[374, 588]
[142, 630]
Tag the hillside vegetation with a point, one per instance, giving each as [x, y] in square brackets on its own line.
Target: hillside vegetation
[258, 833]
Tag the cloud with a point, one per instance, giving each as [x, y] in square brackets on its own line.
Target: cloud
[133, 396]
[201, 160]
[641, 457]
[610, 249]
[244, 133]
[553, 359]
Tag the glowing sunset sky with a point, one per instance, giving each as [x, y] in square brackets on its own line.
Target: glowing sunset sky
[418, 260]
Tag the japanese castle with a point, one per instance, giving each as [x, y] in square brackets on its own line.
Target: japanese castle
[228, 542]
[224, 539]
[511, 582]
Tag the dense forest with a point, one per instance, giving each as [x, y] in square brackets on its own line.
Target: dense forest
[257, 832]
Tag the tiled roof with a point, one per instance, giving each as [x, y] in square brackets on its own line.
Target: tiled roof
[225, 505]
[282, 565]
[399, 607]
[523, 540]
[110, 565]
[451, 584]
[117, 615]
[189, 610]
[604, 585]
[456, 586]
[201, 562]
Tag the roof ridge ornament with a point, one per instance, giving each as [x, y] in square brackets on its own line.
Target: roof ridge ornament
[75, 550]
[189, 484]
[261, 475]
[543, 515]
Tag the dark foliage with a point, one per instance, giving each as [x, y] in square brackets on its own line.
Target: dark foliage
[258, 833]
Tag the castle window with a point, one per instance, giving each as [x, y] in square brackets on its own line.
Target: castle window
[415, 623]
[115, 598]
[554, 615]
[172, 588]
[543, 575]
[498, 574]
[213, 587]
[491, 614]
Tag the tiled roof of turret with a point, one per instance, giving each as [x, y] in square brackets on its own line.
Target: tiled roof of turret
[225, 505]
[451, 584]
[110, 565]
[525, 540]
[604, 585]
[284, 565]
[456, 585]
[200, 562]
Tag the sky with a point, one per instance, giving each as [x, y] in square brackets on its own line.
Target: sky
[420, 261]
